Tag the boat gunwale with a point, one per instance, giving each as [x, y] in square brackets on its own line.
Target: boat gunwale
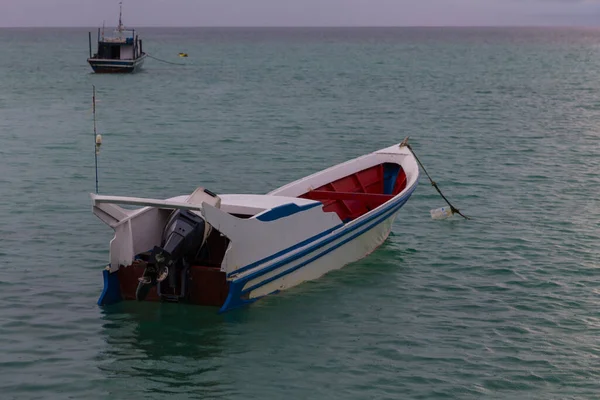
[385, 152]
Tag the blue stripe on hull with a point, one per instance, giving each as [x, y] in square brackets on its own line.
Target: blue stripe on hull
[235, 298]
[284, 210]
[289, 271]
[285, 251]
[320, 235]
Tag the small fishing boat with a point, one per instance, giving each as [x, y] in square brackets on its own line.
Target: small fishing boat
[122, 53]
[228, 250]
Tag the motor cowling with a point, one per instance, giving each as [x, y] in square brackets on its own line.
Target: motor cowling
[183, 237]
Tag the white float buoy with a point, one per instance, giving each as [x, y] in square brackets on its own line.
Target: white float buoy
[441, 213]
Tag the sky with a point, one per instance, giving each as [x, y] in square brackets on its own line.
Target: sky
[146, 13]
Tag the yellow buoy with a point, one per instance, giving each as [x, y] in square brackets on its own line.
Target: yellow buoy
[183, 54]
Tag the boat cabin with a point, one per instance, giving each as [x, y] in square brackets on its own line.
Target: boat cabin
[119, 48]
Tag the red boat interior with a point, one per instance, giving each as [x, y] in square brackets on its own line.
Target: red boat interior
[356, 194]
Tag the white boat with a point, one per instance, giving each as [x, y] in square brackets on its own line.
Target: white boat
[229, 250]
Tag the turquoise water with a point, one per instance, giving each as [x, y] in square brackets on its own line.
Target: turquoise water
[502, 306]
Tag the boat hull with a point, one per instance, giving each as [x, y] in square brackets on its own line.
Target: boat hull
[352, 243]
[107, 66]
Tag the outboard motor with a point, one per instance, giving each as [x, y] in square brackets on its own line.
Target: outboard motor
[184, 235]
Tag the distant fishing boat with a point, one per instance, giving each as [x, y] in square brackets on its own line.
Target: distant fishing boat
[121, 53]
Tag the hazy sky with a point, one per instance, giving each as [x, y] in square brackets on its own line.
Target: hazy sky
[139, 13]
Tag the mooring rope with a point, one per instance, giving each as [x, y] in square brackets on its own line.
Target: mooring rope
[165, 61]
[452, 208]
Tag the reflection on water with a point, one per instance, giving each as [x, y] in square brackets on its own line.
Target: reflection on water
[173, 348]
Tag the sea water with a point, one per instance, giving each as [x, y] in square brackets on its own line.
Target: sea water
[501, 306]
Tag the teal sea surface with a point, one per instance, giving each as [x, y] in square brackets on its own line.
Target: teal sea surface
[504, 306]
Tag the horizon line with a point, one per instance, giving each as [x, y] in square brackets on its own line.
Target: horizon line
[301, 26]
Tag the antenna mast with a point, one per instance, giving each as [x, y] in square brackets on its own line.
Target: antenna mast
[120, 15]
[97, 138]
